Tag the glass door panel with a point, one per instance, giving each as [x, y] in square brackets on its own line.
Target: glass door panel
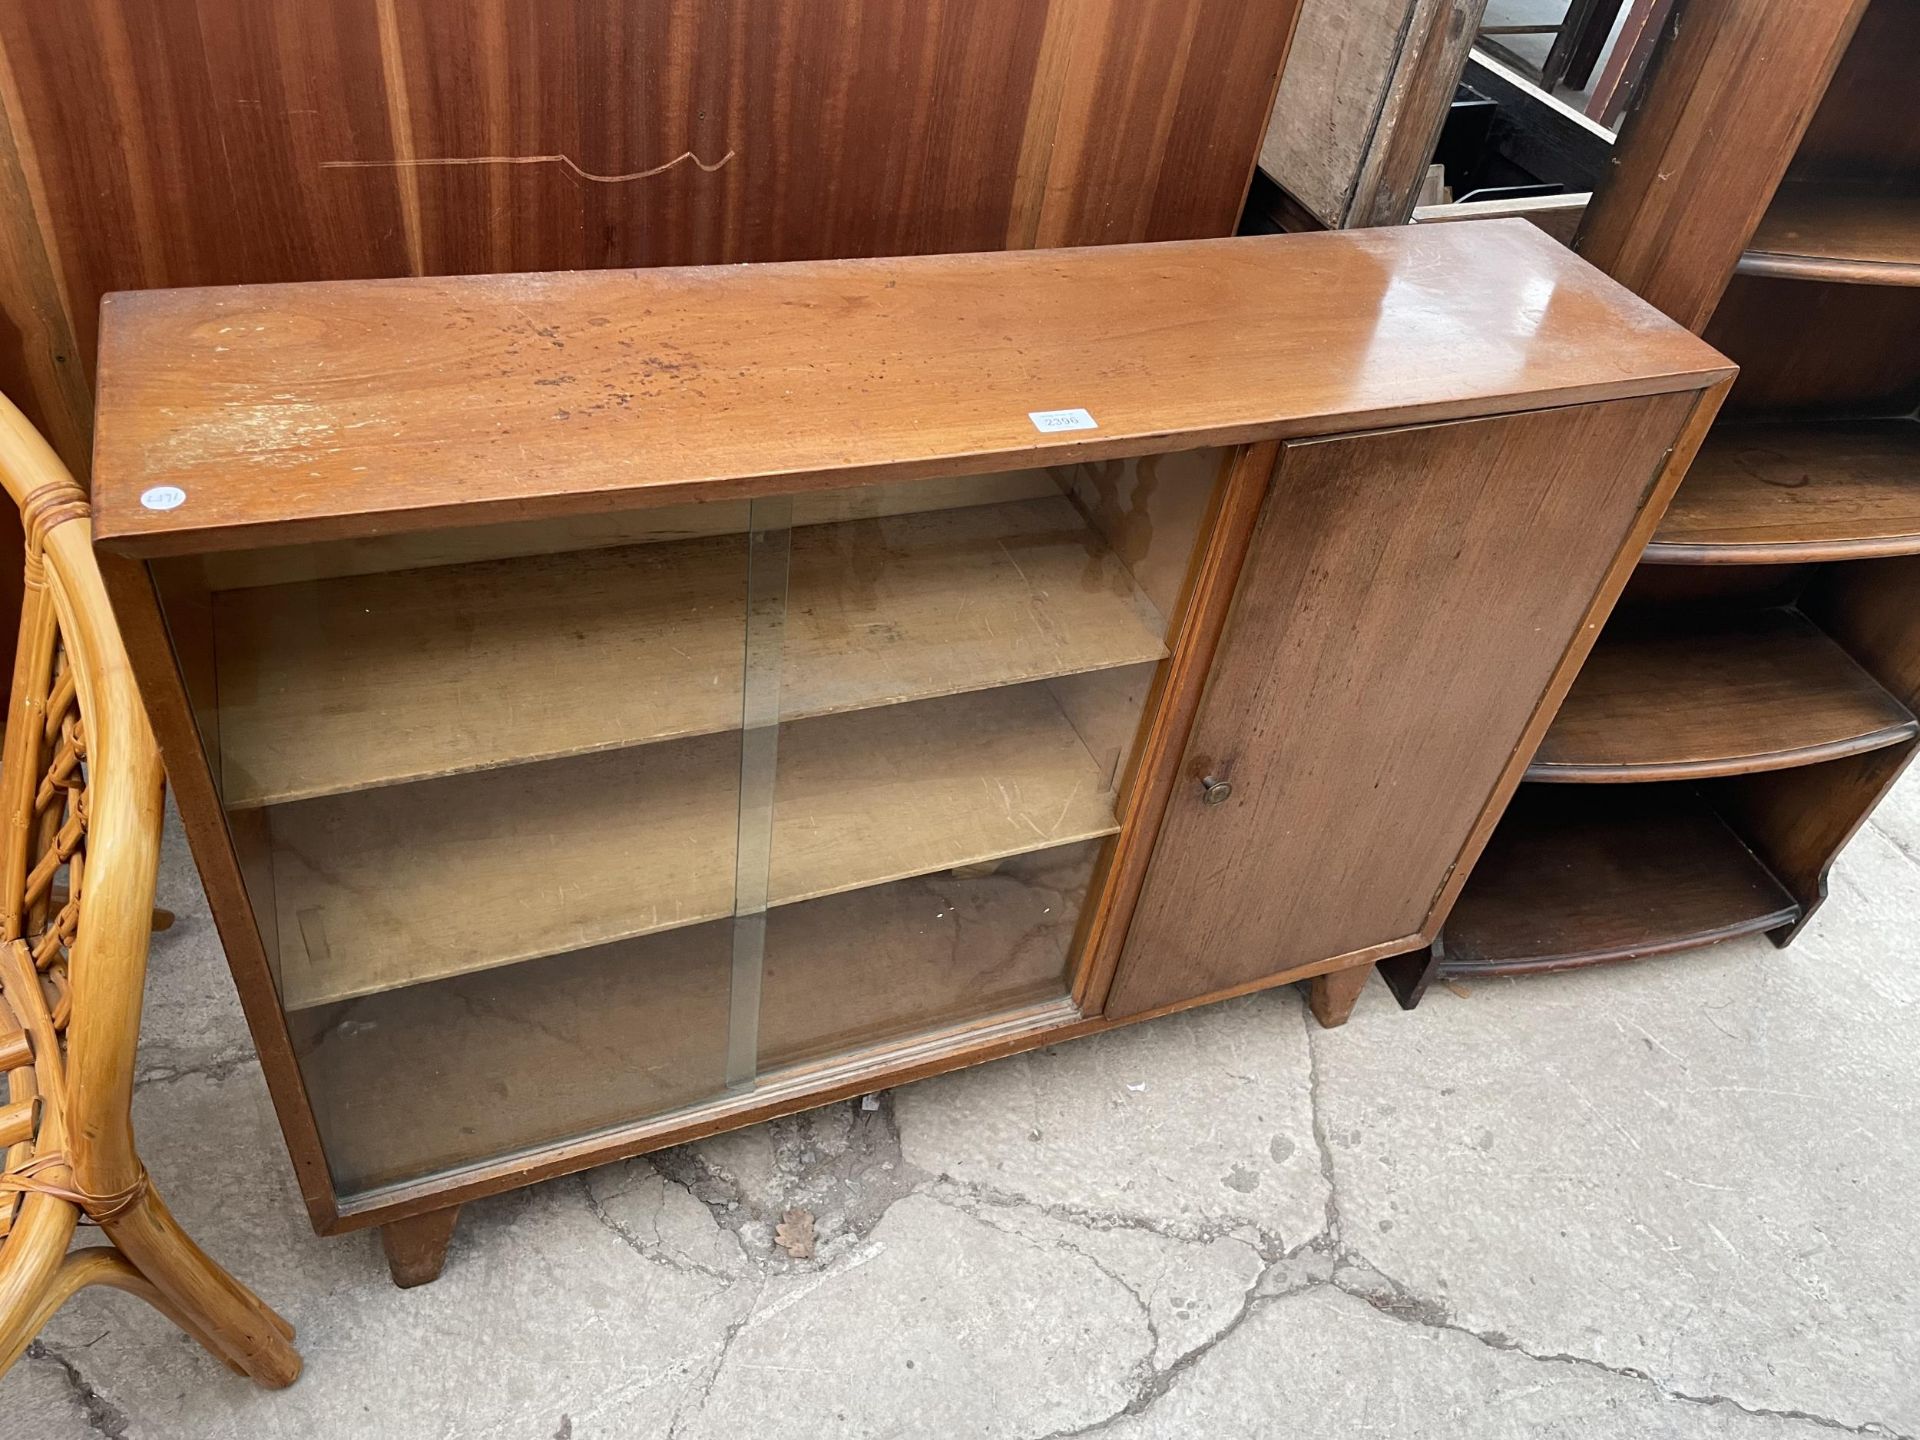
[961, 690]
[485, 788]
[555, 827]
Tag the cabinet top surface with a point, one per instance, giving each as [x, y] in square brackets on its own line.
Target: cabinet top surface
[270, 414]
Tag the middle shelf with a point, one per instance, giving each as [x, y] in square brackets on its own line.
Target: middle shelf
[1773, 492]
[403, 885]
[1721, 695]
[1862, 234]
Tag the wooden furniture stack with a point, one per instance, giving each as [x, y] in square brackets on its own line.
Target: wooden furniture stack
[614, 707]
[1361, 104]
[1755, 695]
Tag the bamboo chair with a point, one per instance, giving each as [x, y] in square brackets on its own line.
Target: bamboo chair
[80, 791]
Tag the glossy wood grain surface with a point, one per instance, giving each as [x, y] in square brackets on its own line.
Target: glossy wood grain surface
[1582, 876]
[1791, 493]
[512, 397]
[1334, 695]
[1701, 696]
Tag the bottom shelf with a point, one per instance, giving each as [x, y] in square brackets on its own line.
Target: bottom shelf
[409, 1082]
[1581, 877]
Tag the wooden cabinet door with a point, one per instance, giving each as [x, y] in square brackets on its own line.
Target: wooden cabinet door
[1411, 602]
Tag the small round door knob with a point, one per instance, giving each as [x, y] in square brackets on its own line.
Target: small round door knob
[1214, 791]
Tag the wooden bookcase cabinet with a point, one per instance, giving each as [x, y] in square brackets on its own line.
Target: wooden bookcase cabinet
[1755, 697]
[611, 708]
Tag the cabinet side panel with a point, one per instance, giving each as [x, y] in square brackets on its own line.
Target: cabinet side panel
[1408, 601]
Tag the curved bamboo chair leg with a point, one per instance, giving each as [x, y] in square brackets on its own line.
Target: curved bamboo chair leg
[256, 1336]
[101, 1265]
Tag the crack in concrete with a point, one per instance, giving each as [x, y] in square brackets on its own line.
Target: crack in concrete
[684, 1265]
[1316, 1113]
[1159, 1382]
[101, 1415]
[1398, 1302]
[698, 1407]
[1144, 1368]
[1271, 1247]
[217, 1070]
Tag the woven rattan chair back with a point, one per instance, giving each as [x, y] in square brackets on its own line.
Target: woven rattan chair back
[80, 799]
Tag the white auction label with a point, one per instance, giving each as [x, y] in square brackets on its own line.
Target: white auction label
[1050, 422]
[164, 497]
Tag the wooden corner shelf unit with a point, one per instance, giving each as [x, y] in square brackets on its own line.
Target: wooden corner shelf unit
[608, 708]
[1760, 680]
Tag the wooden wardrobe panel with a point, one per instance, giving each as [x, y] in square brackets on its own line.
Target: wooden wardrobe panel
[177, 143]
[1396, 709]
[203, 142]
[1163, 106]
[710, 131]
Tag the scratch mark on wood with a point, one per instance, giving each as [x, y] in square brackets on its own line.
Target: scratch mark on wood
[564, 160]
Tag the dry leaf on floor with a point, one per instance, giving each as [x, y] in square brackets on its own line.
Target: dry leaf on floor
[794, 1234]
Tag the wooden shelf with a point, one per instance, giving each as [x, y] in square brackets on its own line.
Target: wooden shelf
[526, 1055]
[402, 885]
[1772, 493]
[348, 684]
[1580, 877]
[1840, 234]
[1721, 695]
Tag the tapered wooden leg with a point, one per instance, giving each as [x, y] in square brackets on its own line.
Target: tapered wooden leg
[1331, 997]
[1408, 975]
[417, 1246]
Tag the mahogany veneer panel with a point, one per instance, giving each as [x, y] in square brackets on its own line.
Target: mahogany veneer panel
[1866, 235]
[372, 680]
[1716, 695]
[1764, 493]
[412, 883]
[1578, 876]
[231, 141]
[507, 397]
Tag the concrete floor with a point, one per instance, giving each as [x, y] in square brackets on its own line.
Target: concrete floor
[1678, 1199]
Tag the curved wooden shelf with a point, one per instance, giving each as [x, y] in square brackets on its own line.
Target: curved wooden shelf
[364, 681]
[1585, 877]
[1797, 493]
[1726, 695]
[1838, 234]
